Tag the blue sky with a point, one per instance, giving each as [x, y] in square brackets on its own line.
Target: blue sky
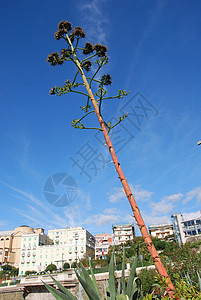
[154, 50]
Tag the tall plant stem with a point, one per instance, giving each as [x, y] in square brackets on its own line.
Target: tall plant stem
[152, 250]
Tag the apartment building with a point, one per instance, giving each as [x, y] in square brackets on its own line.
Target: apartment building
[59, 236]
[123, 233]
[10, 245]
[187, 226]
[103, 242]
[30, 242]
[161, 231]
[60, 246]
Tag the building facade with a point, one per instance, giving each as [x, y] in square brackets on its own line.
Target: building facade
[30, 242]
[187, 227]
[60, 246]
[103, 242]
[10, 245]
[123, 233]
[161, 231]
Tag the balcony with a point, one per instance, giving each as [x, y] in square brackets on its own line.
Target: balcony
[22, 262]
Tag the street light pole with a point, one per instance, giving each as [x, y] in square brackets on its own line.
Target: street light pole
[76, 239]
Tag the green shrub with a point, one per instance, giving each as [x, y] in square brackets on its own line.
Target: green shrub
[51, 268]
[148, 278]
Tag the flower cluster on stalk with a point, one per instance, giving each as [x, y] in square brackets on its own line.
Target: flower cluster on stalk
[63, 27]
[100, 50]
[79, 32]
[106, 80]
[86, 65]
[88, 48]
[54, 59]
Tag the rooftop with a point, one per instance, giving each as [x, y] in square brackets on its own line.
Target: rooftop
[5, 233]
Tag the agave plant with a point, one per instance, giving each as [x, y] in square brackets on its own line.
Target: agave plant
[96, 55]
[130, 290]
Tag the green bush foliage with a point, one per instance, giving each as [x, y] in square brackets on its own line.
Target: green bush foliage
[51, 268]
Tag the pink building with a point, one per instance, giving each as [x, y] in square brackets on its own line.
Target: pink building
[103, 242]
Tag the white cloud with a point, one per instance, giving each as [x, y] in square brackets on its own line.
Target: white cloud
[138, 193]
[117, 195]
[101, 219]
[156, 220]
[96, 19]
[27, 196]
[41, 213]
[111, 211]
[193, 194]
[191, 216]
[85, 198]
[166, 204]
[109, 216]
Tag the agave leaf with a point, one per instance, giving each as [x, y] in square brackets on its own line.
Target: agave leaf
[92, 294]
[106, 289]
[199, 280]
[129, 288]
[189, 279]
[94, 279]
[112, 278]
[118, 286]
[122, 297]
[63, 289]
[56, 293]
[123, 273]
[136, 288]
[86, 276]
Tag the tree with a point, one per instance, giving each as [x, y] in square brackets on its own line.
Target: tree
[51, 268]
[14, 271]
[66, 266]
[7, 267]
[27, 273]
[93, 106]
[73, 265]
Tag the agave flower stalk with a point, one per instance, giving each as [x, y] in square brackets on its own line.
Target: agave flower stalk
[105, 128]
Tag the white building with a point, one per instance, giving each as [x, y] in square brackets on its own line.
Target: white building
[187, 226]
[30, 242]
[161, 231]
[62, 245]
[123, 233]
